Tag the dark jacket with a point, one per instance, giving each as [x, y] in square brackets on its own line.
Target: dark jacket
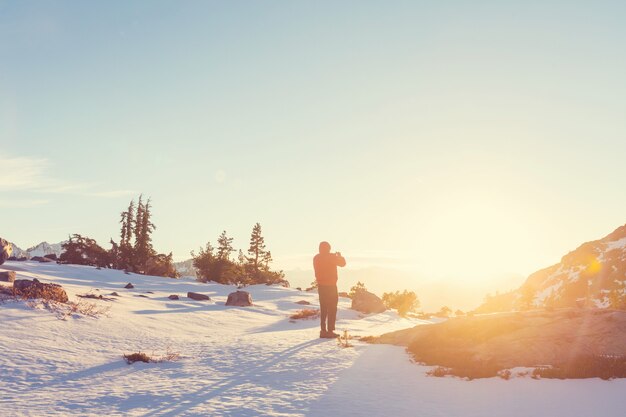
[325, 265]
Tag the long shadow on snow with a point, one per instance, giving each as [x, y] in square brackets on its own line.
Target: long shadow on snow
[243, 377]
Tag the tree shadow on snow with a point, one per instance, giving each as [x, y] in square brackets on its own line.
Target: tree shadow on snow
[214, 390]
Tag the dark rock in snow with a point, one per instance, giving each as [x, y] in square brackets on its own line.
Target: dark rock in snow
[51, 256]
[366, 302]
[239, 299]
[35, 289]
[8, 276]
[198, 297]
[343, 294]
[303, 303]
[129, 286]
[114, 294]
[173, 297]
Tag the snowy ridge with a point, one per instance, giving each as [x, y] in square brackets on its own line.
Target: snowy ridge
[42, 249]
[584, 277]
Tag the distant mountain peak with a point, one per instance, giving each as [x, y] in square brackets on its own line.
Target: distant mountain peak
[41, 249]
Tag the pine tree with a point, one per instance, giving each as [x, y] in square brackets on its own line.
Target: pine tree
[143, 241]
[266, 260]
[224, 246]
[258, 256]
[204, 263]
[139, 221]
[125, 251]
[114, 254]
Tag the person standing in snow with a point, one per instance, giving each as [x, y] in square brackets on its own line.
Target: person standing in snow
[325, 265]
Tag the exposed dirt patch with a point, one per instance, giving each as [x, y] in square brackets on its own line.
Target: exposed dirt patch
[482, 345]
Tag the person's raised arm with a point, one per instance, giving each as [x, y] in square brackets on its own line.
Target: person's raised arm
[341, 261]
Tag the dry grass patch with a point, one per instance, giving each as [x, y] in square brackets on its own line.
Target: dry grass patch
[169, 356]
[63, 311]
[307, 313]
[95, 297]
[571, 343]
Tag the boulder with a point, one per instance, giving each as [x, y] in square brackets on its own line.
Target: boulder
[6, 250]
[198, 297]
[51, 256]
[34, 289]
[129, 286]
[7, 276]
[303, 302]
[173, 297]
[40, 259]
[366, 302]
[239, 299]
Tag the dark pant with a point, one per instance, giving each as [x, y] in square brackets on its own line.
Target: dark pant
[328, 306]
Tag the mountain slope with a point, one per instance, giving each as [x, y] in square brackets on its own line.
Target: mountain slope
[593, 275]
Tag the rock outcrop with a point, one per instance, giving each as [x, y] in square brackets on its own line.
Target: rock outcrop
[41, 259]
[198, 297]
[6, 250]
[522, 339]
[239, 299]
[367, 302]
[34, 289]
[7, 276]
[593, 275]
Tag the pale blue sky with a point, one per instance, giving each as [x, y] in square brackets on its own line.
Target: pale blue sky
[460, 140]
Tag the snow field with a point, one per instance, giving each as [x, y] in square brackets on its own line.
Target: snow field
[238, 361]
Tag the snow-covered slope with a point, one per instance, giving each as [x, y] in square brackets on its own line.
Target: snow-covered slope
[237, 361]
[591, 275]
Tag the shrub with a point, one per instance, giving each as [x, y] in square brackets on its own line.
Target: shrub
[344, 340]
[161, 265]
[357, 288]
[80, 250]
[444, 312]
[404, 302]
